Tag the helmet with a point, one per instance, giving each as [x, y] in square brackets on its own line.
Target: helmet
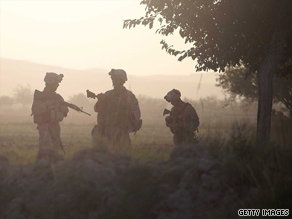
[172, 95]
[52, 77]
[118, 73]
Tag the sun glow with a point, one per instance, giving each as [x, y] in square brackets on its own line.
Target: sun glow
[83, 35]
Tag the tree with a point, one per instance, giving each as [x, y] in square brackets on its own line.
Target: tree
[226, 33]
[238, 82]
[23, 95]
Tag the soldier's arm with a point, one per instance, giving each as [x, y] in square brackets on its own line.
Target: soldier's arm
[97, 107]
[63, 108]
[100, 102]
[134, 106]
[168, 121]
[171, 121]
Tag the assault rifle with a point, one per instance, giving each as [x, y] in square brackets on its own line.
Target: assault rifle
[166, 111]
[104, 98]
[135, 123]
[38, 95]
[74, 107]
[171, 120]
[92, 95]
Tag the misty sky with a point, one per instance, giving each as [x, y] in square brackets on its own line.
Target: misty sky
[84, 35]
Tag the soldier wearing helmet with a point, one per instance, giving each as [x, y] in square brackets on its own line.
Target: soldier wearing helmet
[118, 114]
[183, 120]
[48, 112]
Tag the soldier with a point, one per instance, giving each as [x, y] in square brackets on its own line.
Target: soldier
[183, 120]
[118, 114]
[48, 111]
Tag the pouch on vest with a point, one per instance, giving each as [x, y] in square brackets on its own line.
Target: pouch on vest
[135, 125]
[38, 118]
[56, 115]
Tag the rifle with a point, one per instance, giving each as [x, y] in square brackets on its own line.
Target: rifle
[166, 111]
[74, 107]
[39, 95]
[171, 120]
[104, 98]
[92, 95]
[136, 124]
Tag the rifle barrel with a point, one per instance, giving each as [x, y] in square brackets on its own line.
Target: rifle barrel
[74, 107]
[85, 113]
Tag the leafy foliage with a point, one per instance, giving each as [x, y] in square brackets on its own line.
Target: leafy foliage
[23, 94]
[224, 33]
[219, 32]
[267, 168]
[237, 81]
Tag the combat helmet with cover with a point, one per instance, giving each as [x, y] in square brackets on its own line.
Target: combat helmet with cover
[52, 78]
[118, 73]
[174, 94]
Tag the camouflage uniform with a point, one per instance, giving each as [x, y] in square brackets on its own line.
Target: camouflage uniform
[48, 112]
[117, 110]
[183, 120]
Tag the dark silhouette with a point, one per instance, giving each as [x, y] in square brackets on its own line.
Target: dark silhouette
[118, 114]
[48, 112]
[225, 33]
[183, 119]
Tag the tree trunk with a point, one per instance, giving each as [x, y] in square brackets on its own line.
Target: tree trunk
[265, 82]
[265, 76]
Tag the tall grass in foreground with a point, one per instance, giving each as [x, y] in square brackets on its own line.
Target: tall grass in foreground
[247, 164]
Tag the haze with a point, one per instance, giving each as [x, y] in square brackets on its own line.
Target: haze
[85, 35]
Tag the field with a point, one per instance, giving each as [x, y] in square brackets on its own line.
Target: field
[19, 141]
[19, 136]
[259, 176]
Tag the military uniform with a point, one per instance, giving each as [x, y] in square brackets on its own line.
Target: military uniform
[48, 111]
[183, 120]
[118, 111]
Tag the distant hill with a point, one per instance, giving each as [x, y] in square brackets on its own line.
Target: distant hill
[18, 72]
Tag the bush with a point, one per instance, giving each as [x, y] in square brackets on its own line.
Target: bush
[268, 168]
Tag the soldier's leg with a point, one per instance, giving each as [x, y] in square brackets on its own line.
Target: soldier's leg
[190, 138]
[99, 141]
[125, 142]
[55, 131]
[178, 140]
[45, 138]
[120, 142]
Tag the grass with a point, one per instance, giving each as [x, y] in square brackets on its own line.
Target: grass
[230, 137]
[266, 169]
[19, 141]
[247, 164]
